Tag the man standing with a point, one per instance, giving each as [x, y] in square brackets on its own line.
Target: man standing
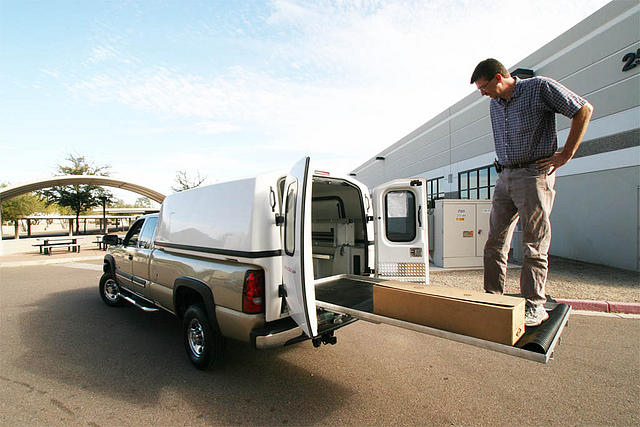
[524, 133]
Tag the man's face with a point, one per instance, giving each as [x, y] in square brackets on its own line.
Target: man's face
[488, 87]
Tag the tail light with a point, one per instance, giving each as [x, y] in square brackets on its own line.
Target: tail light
[253, 292]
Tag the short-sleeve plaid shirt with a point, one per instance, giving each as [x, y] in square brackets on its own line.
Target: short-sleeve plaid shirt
[524, 127]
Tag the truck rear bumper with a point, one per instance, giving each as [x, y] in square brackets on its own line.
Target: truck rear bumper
[277, 334]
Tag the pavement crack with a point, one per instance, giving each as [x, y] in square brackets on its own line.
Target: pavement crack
[61, 406]
[23, 384]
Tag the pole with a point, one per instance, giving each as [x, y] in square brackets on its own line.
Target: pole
[104, 214]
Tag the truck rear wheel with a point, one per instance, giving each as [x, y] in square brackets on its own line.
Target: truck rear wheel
[202, 342]
[110, 291]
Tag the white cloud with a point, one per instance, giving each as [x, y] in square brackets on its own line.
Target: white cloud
[50, 73]
[346, 78]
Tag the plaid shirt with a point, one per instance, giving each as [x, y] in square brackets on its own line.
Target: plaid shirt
[524, 127]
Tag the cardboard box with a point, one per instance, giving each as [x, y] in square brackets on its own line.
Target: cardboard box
[490, 317]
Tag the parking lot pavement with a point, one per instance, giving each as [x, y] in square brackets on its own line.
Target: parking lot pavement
[67, 358]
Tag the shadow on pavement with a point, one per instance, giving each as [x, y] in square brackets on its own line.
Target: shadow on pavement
[72, 337]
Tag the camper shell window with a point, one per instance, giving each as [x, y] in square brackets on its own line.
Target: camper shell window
[400, 216]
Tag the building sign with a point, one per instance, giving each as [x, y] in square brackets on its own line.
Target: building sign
[630, 60]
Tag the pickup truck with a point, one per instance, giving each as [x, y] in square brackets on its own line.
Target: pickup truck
[278, 259]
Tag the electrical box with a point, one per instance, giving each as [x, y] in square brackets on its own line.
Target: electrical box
[460, 230]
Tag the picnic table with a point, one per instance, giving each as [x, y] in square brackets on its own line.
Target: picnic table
[101, 245]
[49, 243]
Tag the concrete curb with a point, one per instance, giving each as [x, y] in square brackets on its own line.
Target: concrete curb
[602, 306]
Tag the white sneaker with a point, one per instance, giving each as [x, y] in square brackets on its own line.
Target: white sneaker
[534, 315]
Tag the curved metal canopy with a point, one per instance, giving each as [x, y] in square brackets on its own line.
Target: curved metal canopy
[17, 190]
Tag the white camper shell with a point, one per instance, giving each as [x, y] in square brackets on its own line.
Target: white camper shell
[299, 229]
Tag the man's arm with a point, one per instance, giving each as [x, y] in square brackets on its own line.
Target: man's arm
[579, 125]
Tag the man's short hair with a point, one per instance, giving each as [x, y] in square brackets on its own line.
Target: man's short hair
[488, 69]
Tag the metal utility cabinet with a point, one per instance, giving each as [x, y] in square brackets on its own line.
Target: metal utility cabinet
[460, 229]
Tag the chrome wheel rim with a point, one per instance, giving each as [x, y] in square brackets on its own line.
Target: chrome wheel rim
[196, 337]
[111, 290]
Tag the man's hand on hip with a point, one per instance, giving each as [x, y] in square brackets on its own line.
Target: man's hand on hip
[551, 164]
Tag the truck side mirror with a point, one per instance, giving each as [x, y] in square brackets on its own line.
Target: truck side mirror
[111, 239]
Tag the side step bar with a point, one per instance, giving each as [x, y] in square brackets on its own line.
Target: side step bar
[137, 304]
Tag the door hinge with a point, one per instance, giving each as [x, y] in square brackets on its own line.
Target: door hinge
[369, 218]
[282, 292]
[415, 183]
[279, 219]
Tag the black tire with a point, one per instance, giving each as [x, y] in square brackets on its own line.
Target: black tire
[203, 342]
[109, 290]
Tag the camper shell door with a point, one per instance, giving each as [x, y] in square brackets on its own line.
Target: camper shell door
[297, 262]
[400, 230]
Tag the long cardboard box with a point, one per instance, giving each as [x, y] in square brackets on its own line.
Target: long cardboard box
[496, 318]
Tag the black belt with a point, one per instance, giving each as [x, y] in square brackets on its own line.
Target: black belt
[500, 167]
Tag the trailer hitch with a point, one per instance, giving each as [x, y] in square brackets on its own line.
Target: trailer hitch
[325, 339]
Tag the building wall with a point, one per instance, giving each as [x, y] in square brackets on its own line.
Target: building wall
[594, 217]
[587, 59]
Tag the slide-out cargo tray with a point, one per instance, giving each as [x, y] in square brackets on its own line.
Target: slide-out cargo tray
[353, 295]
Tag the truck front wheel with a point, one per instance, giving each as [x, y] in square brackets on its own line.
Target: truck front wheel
[202, 342]
[110, 291]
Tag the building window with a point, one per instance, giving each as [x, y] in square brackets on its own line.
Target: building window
[435, 190]
[477, 183]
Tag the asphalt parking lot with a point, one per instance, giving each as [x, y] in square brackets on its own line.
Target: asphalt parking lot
[67, 358]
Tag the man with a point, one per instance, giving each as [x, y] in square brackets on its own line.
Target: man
[524, 133]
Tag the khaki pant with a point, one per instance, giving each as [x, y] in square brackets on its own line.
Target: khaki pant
[528, 194]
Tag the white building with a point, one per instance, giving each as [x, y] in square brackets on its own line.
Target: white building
[596, 217]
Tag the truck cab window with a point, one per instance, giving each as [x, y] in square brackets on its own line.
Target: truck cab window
[131, 239]
[147, 233]
[400, 216]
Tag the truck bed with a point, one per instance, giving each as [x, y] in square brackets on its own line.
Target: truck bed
[353, 295]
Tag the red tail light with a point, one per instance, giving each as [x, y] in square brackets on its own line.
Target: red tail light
[253, 293]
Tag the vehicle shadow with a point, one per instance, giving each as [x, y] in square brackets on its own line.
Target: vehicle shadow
[72, 337]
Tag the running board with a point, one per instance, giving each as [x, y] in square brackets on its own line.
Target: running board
[138, 305]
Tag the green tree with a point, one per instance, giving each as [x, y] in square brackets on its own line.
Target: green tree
[142, 202]
[80, 198]
[21, 206]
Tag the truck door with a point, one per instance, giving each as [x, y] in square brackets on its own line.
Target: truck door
[401, 236]
[124, 255]
[297, 262]
[140, 262]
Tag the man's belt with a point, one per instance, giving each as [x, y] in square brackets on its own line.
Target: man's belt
[500, 167]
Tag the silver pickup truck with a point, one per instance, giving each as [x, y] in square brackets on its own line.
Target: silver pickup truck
[276, 259]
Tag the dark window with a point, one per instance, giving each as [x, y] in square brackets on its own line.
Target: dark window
[131, 239]
[435, 190]
[477, 183]
[290, 219]
[400, 216]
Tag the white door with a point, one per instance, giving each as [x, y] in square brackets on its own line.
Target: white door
[297, 261]
[401, 235]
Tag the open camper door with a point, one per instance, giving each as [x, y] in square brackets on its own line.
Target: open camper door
[297, 261]
[401, 236]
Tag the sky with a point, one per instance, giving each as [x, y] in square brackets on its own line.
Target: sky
[230, 89]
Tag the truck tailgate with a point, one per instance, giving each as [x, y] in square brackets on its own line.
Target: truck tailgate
[353, 295]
